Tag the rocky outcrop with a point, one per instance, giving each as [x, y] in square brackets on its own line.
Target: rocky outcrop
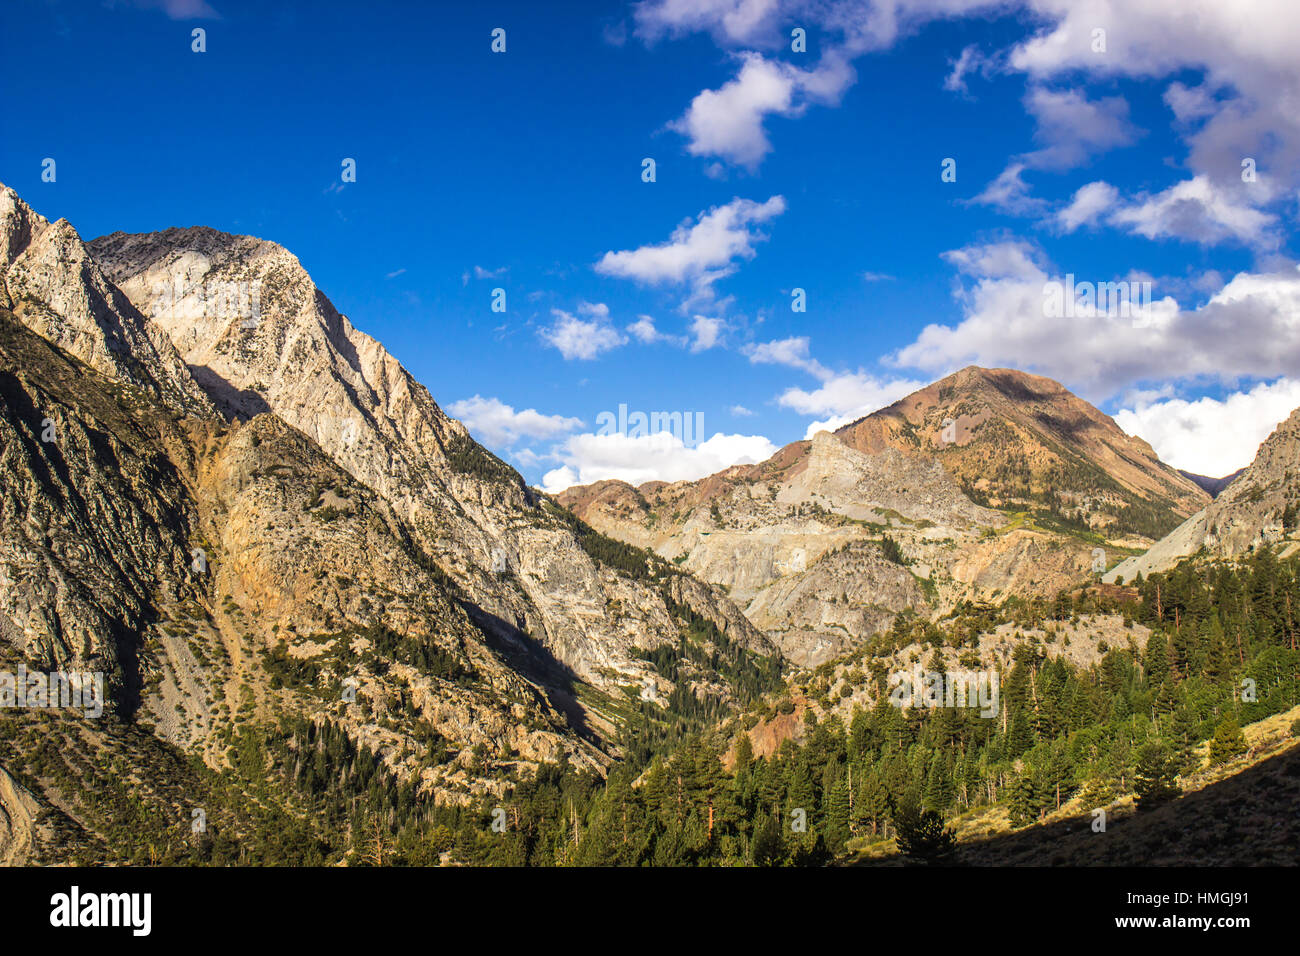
[849, 593]
[798, 539]
[97, 521]
[50, 282]
[1250, 512]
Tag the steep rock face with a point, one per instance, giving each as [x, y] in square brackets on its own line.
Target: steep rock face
[283, 348]
[1023, 440]
[96, 518]
[1251, 511]
[50, 282]
[820, 614]
[210, 570]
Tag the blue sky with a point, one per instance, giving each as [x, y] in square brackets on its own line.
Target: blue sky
[1117, 159]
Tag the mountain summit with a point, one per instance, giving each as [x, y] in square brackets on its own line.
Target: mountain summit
[1015, 440]
[988, 482]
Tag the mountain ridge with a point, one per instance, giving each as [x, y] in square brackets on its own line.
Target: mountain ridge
[991, 482]
[239, 507]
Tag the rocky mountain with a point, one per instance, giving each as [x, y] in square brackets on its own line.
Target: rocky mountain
[285, 350]
[1261, 506]
[1020, 441]
[829, 539]
[245, 513]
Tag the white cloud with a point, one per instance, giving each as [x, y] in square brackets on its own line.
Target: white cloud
[1072, 127]
[1208, 436]
[857, 25]
[1200, 211]
[705, 332]
[658, 457]
[1249, 329]
[846, 397]
[1009, 259]
[579, 339]
[728, 122]
[1009, 193]
[178, 9]
[1087, 206]
[735, 21]
[971, 60]
[645, 332]
[480, 273]
[1190, 103]
[1243, 106]
[740, 411]
[792, 352]
[870, 276]
[698, 253]
[500, 426]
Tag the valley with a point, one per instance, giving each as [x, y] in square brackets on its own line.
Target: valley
[336, 629]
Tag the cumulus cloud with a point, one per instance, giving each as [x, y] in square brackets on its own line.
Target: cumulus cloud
[698, 253]
[1250, 328]
[582, 338]
[846, 397]
[706, 332]
[1198, 210]
[1087, 206]
[1210, 436]
[792, 352]
[728, 122]
[662, 456]
[1244, 104]
[646, 332]
[999, 260]
[500, 426]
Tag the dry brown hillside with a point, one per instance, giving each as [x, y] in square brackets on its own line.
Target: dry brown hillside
[1014, 439]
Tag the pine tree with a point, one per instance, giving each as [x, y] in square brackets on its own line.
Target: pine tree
[1154, 776]
[922, 835]
[1157, 659]
[837, 815]
[1228, 741]
[765, 847]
